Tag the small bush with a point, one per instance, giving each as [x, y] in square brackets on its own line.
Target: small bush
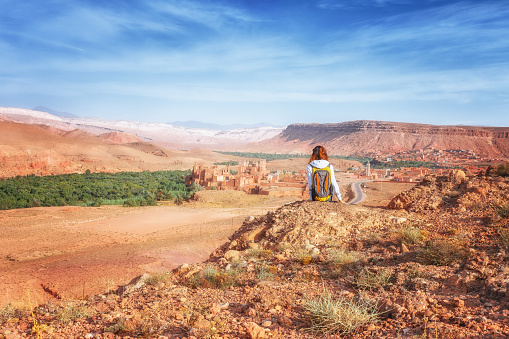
[415, 272]
[267, 273]
[368, 280]
[504, 237]
[255, 253]
[282, 247]
[10, 312]
[328, 315]
[72, 312]
[343, 259]
[132, 203]
[151, 324]
[503, 211]
[502, 170]
[211, 277]
[156, 278]
[303, 256]
[443, 252]
[411, 235]
[373, 238]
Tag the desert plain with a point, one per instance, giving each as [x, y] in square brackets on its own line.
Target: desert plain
[73, 252]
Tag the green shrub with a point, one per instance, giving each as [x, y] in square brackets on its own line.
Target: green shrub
[132, 203]
[282, 247]
[254, 253]
[343, 316]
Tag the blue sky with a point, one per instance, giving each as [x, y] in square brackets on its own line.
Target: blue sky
[249, 61]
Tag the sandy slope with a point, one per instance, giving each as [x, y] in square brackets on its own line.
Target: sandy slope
[30, 149]
[74, 251]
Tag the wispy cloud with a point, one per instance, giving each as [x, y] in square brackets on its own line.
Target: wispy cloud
[337, 4]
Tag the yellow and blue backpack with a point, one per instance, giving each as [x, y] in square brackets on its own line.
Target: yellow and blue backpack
[322, 184]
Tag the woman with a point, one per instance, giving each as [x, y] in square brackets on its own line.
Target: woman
[321, 181]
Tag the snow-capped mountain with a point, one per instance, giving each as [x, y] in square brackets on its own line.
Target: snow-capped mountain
[26, 114]
[158, 133]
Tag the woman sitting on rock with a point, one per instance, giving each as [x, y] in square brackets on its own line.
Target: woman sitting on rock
[321, 181]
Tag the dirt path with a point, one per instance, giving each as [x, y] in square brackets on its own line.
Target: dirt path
[75, 252]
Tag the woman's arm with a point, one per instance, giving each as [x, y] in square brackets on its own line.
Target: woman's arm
[309, 171]
[334, 183]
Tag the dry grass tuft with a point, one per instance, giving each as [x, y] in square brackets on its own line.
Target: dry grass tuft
[10, 312]
[304, 256]
[211, 277]
[343, 316]
[411, 235]
[443, 252]
[72, 312]
[267, 273]
[150, 324]
[503, 211]
[258, 253]
[282, 247]
[343, 259]
[368, 280]
[504, 237]
[157, 278]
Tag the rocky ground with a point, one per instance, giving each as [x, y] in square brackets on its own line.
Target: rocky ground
[435, 264]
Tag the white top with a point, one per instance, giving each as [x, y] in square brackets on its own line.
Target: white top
[322, 164]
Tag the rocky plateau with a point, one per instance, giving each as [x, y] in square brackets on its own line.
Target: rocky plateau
[380, 137]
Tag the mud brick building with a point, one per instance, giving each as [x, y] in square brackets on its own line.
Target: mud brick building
[251, 177]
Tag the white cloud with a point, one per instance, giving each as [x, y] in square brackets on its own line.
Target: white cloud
[337, 4]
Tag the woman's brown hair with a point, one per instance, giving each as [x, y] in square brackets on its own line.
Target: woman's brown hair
[319, 153]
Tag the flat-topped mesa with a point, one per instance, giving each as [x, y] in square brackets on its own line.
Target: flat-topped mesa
[385, 126]
[366, 137]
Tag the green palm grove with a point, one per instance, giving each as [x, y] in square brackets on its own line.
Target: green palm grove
[95, 189]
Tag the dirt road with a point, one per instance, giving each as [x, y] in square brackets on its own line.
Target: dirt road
[73, 252]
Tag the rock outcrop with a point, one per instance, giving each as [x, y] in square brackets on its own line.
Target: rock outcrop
[456, 190]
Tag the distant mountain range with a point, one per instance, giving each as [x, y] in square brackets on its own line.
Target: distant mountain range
[363, 137]
[205, 125]
[53, 112]
[164, 135]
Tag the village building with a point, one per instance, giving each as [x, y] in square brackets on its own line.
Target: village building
[251, 177]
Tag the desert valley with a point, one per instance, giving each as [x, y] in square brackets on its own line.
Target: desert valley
[234, 249]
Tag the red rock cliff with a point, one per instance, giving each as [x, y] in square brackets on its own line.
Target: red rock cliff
[370, 137]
